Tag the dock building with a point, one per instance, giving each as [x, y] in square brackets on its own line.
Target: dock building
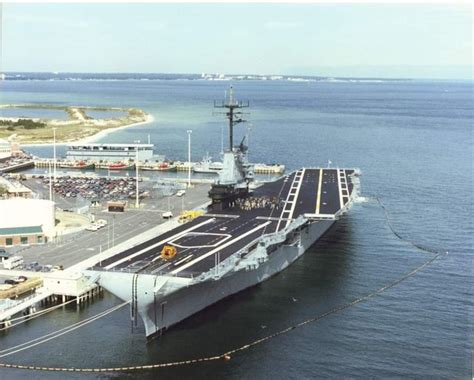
[109, 152]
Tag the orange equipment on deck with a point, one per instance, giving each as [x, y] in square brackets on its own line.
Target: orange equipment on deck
[168, 252]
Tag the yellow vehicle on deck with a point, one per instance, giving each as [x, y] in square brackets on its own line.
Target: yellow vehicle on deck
[187, 216]
[168, 252]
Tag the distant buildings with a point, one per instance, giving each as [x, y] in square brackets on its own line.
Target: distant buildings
[13, 189]
[5, 149]
[110, 152]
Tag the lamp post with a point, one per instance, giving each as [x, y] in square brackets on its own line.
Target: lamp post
[136, 174]
[54, 154]
[50, 183]
[249, 128]
[189, 157]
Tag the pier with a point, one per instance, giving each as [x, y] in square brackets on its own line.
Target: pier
[13, 167]
[177, 166]
[49, 288]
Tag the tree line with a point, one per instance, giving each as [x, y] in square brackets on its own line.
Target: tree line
[25, 123]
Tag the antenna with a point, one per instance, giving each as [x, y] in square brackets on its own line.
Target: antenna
[233, 113]
[249, 128]
[222, 139]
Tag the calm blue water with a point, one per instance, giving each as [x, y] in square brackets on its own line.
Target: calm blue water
[104, 114]
[34, 113]
[413, 142]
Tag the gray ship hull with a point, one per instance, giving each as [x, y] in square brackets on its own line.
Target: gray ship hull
[160, 312]
[224, 252]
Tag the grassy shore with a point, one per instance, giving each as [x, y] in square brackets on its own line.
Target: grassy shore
[78, 125]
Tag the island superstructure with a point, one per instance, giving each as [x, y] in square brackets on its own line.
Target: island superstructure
[247, 235]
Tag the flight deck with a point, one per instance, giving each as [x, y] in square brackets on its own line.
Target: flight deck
[211, 238]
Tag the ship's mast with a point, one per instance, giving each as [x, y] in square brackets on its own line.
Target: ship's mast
[233, 113]
[236, 172]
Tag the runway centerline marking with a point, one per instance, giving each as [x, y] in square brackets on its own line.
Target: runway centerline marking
[318, 196]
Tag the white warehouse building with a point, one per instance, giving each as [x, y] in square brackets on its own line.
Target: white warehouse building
[26, 221]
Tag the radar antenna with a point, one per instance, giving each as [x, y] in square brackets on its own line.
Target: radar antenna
[233, 113]
[236, 172]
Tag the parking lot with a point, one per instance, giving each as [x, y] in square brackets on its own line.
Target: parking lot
[75, 192]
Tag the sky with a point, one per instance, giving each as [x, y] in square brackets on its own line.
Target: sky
[366, 40]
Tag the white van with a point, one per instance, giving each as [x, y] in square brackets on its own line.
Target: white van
[13, 262]
[167, 215]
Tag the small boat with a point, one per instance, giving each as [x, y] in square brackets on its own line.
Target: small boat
[207, 166]
[160, 166]
[121, 166]
[81, 165]
[269, 168]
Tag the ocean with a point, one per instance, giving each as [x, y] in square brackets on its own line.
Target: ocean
[412, 140]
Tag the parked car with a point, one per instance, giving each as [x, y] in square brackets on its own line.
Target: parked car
[101, 222]
[31, 266]
[167, 215]
[19, 279]
[93, 227]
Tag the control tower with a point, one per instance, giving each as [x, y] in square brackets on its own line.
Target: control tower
[237, 173]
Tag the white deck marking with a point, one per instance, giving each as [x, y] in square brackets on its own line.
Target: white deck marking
[200, 258]
[225, 237]
[318, 197]
[183, 260]
[295, 185]
[293, 203]
[339, 188]
[222, 216]
[161, 268]
[114, 264]
[271, 218]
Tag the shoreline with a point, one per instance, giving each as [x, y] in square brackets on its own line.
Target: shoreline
[92, 138]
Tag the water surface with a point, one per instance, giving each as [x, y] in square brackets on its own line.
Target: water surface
[413, 142]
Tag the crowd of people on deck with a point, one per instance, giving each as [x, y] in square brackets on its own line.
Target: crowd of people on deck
[252, 203]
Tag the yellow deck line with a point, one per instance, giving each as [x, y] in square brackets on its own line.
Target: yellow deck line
[318, 199]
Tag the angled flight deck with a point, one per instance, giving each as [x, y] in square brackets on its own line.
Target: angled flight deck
[211, 238]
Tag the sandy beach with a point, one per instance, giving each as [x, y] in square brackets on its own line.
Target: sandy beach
[96, 136]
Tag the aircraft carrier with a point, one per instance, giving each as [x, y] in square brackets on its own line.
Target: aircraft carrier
[247, 235]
